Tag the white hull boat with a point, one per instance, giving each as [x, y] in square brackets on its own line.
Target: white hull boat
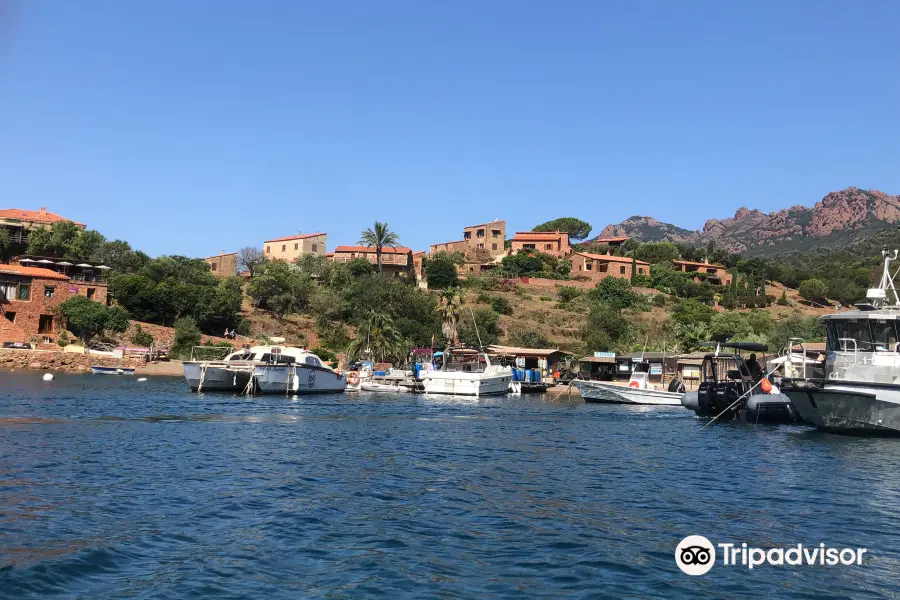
[598, 392]
[297, 379]
[467, 372]
[369, 386]
[217, 376]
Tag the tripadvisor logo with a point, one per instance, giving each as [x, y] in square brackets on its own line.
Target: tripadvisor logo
[696, 555]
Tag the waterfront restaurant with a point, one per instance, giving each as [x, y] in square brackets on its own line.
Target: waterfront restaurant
[545, 359]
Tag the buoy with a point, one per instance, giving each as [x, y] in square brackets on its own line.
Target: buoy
[766, 386]
[142, 379]
[48, 377]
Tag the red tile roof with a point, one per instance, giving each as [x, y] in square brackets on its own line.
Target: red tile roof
[610, 258]
[385, 250]
[539, 235]
[420, 252]
[692, 263]
[32, 272]
[294, 237]
[37, 216]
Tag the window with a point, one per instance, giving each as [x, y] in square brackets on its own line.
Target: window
[467, 235]
[268, 249]
[10, 316]
[588, 266]
[548, 246]
[529, 246]
[495, 233]
[25, 291]
[481, 246]
[214, 266]
[8, 290]
[315, 247]
[45, 324]
[296, 245]
[480, 233]
[621, 270]
[641, 270]
[493, 246]
[90, 293]
[713, 271]
[49, 292]
[284, 247]
[884, 335]
[313, 361]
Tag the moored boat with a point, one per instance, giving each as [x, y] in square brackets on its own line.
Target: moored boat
[638, 390]
[230, 374]
[858, 391]
[467, 371]
[292, 370]
[99, 370]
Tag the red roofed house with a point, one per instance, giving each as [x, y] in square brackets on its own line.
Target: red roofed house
[612, 242]
[30, 298]
[598, 266]
[292, 247]
[716, 274]
[394, 261]
[19, 222]
[555, 243]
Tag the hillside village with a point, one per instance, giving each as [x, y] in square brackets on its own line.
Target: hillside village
[552, 287]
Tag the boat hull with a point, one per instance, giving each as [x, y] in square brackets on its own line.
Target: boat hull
[474, 385]
[216, 379]
[281, 379]
[606, 393]
[112, 371]
[856, 410]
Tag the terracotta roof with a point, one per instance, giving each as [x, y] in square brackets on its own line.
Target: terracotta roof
[600, 240]
[609, 258]
[37, 216]
[218, 255]
[329, 254]
[420, 252]
[385, 250]
[299, 236]
[32, 272]
[697, 264]
[539, 235]
[448, 243]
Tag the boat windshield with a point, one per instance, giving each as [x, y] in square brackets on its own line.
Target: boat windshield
[724, 368]
[465, 361]
[242, 356]
[277, 358]
[862, 335]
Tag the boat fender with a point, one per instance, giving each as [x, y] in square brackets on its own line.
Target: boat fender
[766, 386]
[634, 384]
[48, 377]
[353, 378]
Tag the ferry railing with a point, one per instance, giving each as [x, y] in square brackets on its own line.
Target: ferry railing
[217, 352]
[789, 359]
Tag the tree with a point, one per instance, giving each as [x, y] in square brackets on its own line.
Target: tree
[688, 336]
[487, 332]
[88, 319]
[607, 329]
[576, 228]
[449, 308]
[731, 324]
[813, 290]
[501, 305]
[691, 311]
[251, 259]
[379, 237]
[440, 270]
[187, 335]
[657, 252]
[119, 255]
[795, 326]
[617, 293]
[760, 322]
[281, 288]
[783, 300]
[377, 338]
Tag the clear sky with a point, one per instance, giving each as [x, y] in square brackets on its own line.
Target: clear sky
[193, 126]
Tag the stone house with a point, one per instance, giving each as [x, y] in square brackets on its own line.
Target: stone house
[30, 299]
[715, 274]
[555, 243]
[223, 265]
[599, 266]
[20, 222]
[291, 247]
[481, 243]
[394, 261]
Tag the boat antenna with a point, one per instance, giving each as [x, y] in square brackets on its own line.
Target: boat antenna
[879, 295]
[476, 327]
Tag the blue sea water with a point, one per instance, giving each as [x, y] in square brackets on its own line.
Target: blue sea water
[114, 488]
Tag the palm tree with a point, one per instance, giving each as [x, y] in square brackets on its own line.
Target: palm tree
[379, 236]
[378, 338]
[449, 308]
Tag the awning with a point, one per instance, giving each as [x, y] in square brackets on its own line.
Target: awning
[606, 360]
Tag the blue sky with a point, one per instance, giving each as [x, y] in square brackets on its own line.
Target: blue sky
[188, 127]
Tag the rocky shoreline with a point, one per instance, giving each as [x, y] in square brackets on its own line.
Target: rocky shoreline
[43, 360]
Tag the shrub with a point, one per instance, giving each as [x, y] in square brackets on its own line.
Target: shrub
[501, 305]
[529, 338]
[63, 339]
[482, 298]
[813, 290]
[89, 319]
[141, 338]
[617, 293]
[440, 270]
[783, 300]
[546, 299]
[568, 293]
[489, 329]
[659, 300]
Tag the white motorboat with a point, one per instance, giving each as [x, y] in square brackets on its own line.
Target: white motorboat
[858, 391]
[231, 374]
[639, 390]
[292, 370]
[374, 386]
[469, 372]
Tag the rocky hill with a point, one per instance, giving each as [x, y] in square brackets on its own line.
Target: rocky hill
[840, 217]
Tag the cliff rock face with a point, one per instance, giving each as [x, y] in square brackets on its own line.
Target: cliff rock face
[845, 213]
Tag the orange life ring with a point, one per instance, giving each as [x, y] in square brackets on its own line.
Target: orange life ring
[634, 384]
[353, 378]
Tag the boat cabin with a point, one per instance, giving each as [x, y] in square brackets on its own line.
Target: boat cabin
[464, 359]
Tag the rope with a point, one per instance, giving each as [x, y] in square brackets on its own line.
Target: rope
[250, 383]
[568, 389]
[741, 398]
[202, 377]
